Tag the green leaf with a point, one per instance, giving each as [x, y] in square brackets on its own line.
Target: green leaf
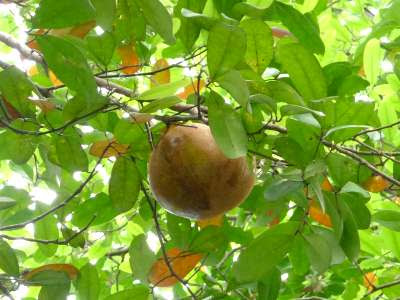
[15, 87]
[209, 239]
[50, 278]
[69, 64]
[60, 14]
[301, 26]
[160, 104]
[141, 258]
[131, 24]
[226, 48]
[388, 218]
[233, 82]
[265, 252]
[298, 256]
[269, 286]
[304, 70]
[8, 259]
[226, 127]
[102, 47]
[105, 13]
[6, 202]
[188, 31]
[124, 184]
[373, 56]
[80, 106]
[290, 109]
[70, 153]
[158, 17]
[137, 293]
[46, 229]
[281, 188]
[164, 90]
[55, 292]
[260, 44]
[88, 284]
[200, 20]
[350, 241]
[19, 147]
[99, 206]
[319, 252]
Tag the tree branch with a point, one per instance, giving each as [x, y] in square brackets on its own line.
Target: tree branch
[62, 204]
[57, 242]
[382, 286]
[160, 238]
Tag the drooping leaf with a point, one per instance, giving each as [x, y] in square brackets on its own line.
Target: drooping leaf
[304, 70]
[8, 259]
[70, 153]
[15, 87]
[46, 229]
[141, 257]
[158, 17]
[99, 206]
[301, 26]
[59, 14]
[260, 43]
[372, 60]
[233, 82]
[124, 184]
[265, 252]
[69, 64]
[188, 31]
[226, 127]
[226, 48]
[88, 285]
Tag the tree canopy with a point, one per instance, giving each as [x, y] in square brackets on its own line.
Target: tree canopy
[307, 90]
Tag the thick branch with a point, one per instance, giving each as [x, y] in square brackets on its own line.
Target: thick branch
[25, 51]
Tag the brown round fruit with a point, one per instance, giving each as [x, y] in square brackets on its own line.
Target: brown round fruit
[191, 177]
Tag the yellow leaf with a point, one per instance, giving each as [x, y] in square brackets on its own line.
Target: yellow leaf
[182, 262]
[162, 77]
[113, 148]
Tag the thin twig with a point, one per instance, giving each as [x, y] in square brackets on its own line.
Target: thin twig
[57, 242]
[160, 238]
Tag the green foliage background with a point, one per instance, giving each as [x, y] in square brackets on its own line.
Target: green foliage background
[320, 101]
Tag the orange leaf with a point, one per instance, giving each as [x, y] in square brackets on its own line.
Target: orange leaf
[370, 280]
[216, 221]
[12, 112]
[162, 77]
[114, 148]
[44, 105]
[54, 80]
[33, 44]
[318, 215]
[275, 220]
[140, 118]
[130, 60]
[67, 268]
[82, 30]
[182, 262]
[326, 185]
[376, 184]
[33, 70]
[191, 89]
[280, 33]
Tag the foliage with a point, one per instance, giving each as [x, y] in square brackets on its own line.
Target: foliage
[307, 89]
